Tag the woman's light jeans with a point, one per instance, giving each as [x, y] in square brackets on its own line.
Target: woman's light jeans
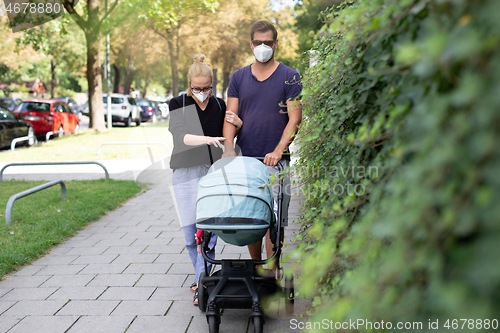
[185, 182]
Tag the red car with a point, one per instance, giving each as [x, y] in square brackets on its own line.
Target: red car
[48, 116]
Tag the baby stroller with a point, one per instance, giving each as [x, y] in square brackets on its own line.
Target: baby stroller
[235, 202]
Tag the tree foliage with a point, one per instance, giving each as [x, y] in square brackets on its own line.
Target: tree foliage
[224, 35]
[63, 44]
[90, 19]
[218, 29]
[399, 159]
[310, 16]
[227, 34]
[169, 18]
[138, 53]
[12, 62]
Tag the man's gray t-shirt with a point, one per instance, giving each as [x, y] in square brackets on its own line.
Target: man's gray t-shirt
[262, 107]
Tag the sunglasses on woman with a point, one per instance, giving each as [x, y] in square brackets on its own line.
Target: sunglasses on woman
[269, 43]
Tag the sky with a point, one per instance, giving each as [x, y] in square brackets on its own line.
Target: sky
[278, 4]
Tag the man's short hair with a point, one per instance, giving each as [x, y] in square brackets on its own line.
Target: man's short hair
[263, 26]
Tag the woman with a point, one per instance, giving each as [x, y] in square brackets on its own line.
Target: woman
[196, 121]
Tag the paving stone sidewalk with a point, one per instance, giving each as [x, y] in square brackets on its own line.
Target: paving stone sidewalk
[128, 272]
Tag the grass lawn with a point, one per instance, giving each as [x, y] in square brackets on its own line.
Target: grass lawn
[83, 147]
[44, 219]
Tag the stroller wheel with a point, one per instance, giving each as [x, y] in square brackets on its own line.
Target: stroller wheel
[213, 324]
[202, 294]
[289, 293]
[258, 324]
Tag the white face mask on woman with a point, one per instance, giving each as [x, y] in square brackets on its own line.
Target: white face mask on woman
[263, 53]
[201, 96]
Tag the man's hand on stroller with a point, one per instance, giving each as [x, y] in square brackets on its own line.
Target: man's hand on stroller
[273, 158]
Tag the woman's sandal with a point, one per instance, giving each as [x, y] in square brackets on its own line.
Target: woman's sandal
[193, 287]
[195, 298]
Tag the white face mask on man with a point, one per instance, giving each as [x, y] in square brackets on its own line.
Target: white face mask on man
[201, 96]
[263, 53]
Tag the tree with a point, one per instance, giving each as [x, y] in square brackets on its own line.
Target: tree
[91, 27]
[13, 59]
[399, 157]
[153, 61]
[228, 33]
[137, 53]
[62, 46]
[309, 20]
[167, 18]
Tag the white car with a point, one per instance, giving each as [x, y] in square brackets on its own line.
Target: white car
[124, 109]
[165, 110]
[162, 105]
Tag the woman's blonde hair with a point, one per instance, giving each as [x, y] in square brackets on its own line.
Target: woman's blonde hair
[197, 69]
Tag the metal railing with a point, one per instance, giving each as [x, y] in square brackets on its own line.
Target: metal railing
[16, 140]
[130, 143]
[12, 199]
[48, 134]
[53, 163]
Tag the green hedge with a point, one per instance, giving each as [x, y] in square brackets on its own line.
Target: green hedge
[400, 163]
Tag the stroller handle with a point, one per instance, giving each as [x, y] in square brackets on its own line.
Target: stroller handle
[278, 165]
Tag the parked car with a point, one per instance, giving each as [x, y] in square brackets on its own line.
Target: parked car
[149, 110]
[124, 109]
[10, 103]
[73, 105]
[162, 106]
[85, 109]
[11, 128]
[47, 115]
[165, 110]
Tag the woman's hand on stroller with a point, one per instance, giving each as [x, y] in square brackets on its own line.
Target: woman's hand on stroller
[216, 141]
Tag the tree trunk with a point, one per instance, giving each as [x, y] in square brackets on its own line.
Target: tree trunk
[146, 86]
[214, 83]
[94, 78]
[116, 83]
[226, 76]
[129, 78]
[172, 51]
[92, 29]
[137, 86]
[52, 78]
[129, 75]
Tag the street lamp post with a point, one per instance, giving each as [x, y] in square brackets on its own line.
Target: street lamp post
[107, 75]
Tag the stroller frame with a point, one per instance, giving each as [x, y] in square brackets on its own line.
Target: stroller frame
[243, 273]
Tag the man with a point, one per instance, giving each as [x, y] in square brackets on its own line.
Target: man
[265, 95]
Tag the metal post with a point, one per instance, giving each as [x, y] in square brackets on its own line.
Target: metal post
[16, 140]
[12, 199]
[108, 80]
[48, 135]
[53, 163]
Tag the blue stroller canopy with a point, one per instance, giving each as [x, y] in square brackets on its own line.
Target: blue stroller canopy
[235, 200]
